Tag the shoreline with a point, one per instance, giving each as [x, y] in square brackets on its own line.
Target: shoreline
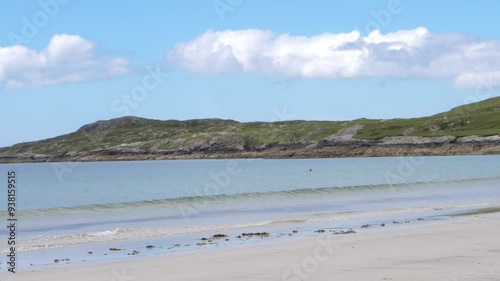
[424, 251]
[348, 151]
[89, 253]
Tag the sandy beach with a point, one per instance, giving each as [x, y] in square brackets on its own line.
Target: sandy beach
[458, 249]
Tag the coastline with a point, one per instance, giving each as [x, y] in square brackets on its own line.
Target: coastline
[337, 151]
[458, 248]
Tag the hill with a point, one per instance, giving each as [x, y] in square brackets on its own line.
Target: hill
[468, 129]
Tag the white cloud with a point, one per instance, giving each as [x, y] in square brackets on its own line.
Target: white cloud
[486, 80]
[67, 58]
[416, 53]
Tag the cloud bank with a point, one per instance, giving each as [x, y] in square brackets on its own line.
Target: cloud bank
[466, 61]
[67, 58]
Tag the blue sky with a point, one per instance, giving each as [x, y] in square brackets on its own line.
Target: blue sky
[83, 61]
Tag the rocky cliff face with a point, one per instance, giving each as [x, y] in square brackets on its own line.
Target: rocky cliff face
[236, 147]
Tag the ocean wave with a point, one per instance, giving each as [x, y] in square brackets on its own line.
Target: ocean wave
[224, 198]
[124, 234]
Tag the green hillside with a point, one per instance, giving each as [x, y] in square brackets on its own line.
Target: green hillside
[481, 119]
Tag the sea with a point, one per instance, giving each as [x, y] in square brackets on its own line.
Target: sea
[75, 212]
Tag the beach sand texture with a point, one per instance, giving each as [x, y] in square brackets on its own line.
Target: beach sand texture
[459, 249]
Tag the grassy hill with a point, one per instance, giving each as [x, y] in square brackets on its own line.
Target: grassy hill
[480, 119]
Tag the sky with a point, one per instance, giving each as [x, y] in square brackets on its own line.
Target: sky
[66, 63]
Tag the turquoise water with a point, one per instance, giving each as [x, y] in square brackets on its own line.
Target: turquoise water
[64, 205]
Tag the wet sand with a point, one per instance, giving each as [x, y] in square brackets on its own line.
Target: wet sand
[458, 249]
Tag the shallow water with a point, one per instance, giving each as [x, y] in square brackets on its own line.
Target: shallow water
[65, 205]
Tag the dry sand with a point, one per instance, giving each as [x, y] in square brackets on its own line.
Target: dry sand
[459, 249]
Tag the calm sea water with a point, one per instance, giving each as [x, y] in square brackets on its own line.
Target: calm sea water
[74, 204]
